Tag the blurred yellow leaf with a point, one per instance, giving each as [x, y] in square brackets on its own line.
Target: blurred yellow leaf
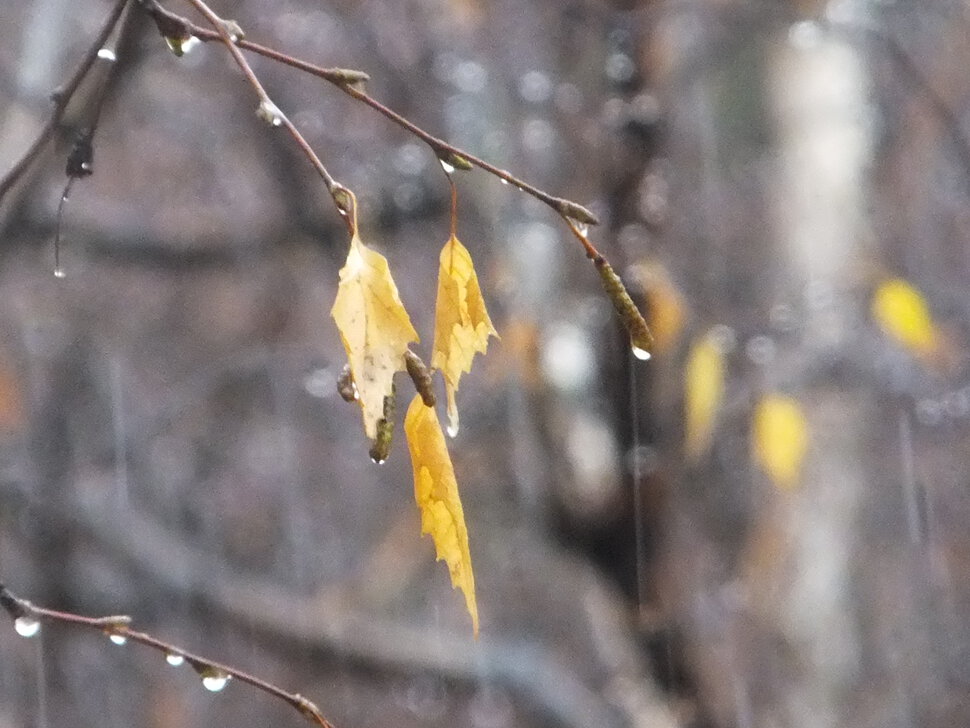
[703, 392]
[780, 439]
[374, 327]
[462, 325]
[902, 313]
[436, 492]
[665, 304]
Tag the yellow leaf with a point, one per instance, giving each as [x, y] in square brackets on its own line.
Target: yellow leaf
[462, 325]
[902, 313]
[780, 439]
[374, 327]
[703, 392]
[436, 492]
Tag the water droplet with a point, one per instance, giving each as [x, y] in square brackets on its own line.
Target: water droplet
[107, 54]
[641, 354]
[581, 227]
[189, 43]
[117, 639]
[452, 429]
[448, 168]
[805, 34]
[174, 659]
[59, 272]
[214, 681]
[378, 461]
[503, 180]
[535, 87]
[270, 113]
[181, 46]
[26, 626]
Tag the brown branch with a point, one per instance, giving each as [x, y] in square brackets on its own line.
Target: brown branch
[118, 627]
[346, 80]
[62, 97]
[267, 110]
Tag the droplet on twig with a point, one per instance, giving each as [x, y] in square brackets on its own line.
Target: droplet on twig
[215, 682]
[106, 54]
[181, 46]
[233, 30]
[117, 639]
[26, 626]
[175, 659]
[270, 113]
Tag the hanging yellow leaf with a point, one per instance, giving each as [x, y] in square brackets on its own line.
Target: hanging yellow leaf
[462, 325]
[374, 327]
[703, 392]
[436, 492]
[780, 439]
[902, 313]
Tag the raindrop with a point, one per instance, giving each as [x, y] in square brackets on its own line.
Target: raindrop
[117, 639]
[270, 113]
[181, 46]
[378, 461]
[452, 429]
[106, 54]
[26, 626]
[175, 659]
[503, 180]
[805, 34]
[641, 354]
[214, 680]
[760, 349]
[59, 272]
[620, 68]
[535, 87]
[189, 43]
[581, 227]
[448, 168]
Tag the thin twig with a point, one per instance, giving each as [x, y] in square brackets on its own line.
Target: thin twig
[119, 626]
[267, 109]
[62, 97]
[347, 80]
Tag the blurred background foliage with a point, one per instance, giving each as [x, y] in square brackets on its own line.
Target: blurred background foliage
[762, 526]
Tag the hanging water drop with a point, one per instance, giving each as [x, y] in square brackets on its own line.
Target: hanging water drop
[181, 46]
[106, 54]
[117, 639]
[214, 680]
[26, 626]
[452, 429]
[503, 180]
[175, 659]
[446, 166]
[59, 272]
[378, 461]
[581, 227]
[270, 113]
[641, 354]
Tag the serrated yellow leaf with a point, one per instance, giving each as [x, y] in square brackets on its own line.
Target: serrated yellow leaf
[436, 493]
[780, 439]
[703, 392]
[374, 327]
[902, 313]
[462, 325]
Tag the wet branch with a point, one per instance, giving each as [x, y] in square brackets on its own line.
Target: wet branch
[28, 617]
[61, 98]
[346, 80]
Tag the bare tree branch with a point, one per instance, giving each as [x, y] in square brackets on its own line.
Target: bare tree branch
[118, 628]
